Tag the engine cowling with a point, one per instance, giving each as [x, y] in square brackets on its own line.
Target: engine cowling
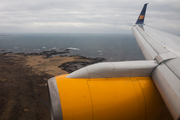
[124, 98]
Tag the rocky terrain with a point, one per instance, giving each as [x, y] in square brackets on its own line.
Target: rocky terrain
[23, 78]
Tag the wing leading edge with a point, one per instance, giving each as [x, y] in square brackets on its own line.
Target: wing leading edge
[166, 75]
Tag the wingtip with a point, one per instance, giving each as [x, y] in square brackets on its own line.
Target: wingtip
[141, 17]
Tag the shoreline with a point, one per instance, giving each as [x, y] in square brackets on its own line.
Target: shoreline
[25, 75]
[55, 62]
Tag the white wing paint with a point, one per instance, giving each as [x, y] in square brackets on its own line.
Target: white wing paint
[165, 49]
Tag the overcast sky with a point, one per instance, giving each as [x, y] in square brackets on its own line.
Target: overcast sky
[86, 16]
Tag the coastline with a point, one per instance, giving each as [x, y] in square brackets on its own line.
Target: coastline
[22, 75]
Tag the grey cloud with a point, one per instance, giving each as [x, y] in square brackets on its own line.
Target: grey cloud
[113, 16]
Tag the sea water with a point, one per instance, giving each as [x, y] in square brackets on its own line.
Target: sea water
[113, 47]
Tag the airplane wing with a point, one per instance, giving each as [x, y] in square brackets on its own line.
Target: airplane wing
[123, 90]
[165, 49]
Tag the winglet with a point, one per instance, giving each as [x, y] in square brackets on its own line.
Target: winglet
[141, 17]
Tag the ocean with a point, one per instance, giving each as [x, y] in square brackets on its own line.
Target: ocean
[112, 47]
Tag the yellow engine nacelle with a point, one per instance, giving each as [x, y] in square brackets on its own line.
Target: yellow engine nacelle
[128, 98]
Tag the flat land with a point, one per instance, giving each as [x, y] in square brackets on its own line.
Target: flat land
[23, 85]
[50, 65]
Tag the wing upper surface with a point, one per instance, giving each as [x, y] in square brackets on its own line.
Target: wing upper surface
[165, 49]
[150, 45]
[159, 46]
[169, 41]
